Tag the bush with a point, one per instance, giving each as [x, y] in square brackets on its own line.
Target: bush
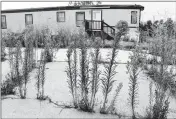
[162, 74]
[10, 38]
[83, 75]
[125, 38]
[3, 54]
[107, 46]
[112, 109]
[48, 56]
[84, 81]
[161, 106]
[129, 47]
[50, 44]
[8, 86]
[109, 73]
[133, 68]
[122, 26]
[143, 36]
[62, 37]
[152, 60]
[41, 78]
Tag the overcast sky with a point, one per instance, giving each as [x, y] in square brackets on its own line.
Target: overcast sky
[152, 10]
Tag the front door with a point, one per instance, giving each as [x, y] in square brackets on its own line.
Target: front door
[96, 18]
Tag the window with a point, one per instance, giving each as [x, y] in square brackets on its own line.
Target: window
[3, 22]
[133, 17]
[80, 16]
[28, 19]
[60, 16]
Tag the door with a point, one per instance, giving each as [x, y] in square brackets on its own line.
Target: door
[96, 18]
[96, 15]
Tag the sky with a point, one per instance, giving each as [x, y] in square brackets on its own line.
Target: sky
[152, 10]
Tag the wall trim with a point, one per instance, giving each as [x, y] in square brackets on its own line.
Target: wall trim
[74, 8]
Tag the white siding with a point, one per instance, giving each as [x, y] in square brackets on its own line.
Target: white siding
[112, 16]
[16, 21]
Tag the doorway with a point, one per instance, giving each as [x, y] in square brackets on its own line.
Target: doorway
[96, 19]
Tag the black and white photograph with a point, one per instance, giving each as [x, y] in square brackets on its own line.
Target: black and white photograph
[88, 59]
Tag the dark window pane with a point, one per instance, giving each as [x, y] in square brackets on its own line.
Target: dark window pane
[3, 22]
[29, 19]
[79, 18]
[133, 17]
[61, 16]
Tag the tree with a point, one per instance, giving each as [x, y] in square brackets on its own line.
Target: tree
[170, 27]
[161, 21]
[83, 3]
[175, 28]
[149, 27]
[156, 23]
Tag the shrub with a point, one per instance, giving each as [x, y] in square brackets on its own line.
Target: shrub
[160, 108]
[84, 73]
[133, 68]
[3, 54]
[86, 77]
[122, 26]
[107, 46]
[49, 56]
[62, 37]
[72, 69]
[161, 74]
[129, 47]
[29, 40]
[107, 80]
[110, 72]
[10, 38]
[41, 77]
[70, 76]
[149, 112]
[143, 36]
[111, 109]
[75, 70]
[50, 45]
[16, 65]
[95, 72]
[126, 38]
[7, 86]
[25, 72]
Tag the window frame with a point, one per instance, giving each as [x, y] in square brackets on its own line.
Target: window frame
[5, 22]
[26, 19]
[77, 19]
[135, 17]
[57, 14]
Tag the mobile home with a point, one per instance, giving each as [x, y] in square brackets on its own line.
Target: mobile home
[96, 18]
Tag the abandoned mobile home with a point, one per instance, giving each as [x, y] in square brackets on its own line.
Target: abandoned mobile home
[97, 19]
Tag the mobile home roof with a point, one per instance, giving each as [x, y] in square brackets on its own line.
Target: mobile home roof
[74, 8]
